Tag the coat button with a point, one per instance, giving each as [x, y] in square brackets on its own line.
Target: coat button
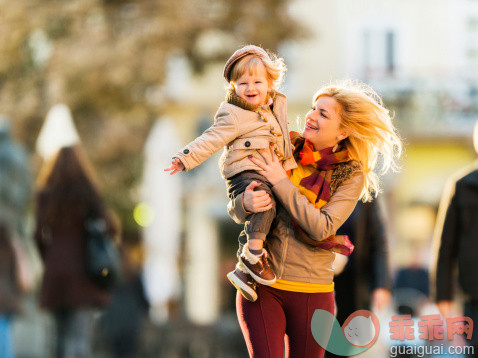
[186, 151]
[247, 144]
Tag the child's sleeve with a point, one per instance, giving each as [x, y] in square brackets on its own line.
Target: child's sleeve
[223, 131]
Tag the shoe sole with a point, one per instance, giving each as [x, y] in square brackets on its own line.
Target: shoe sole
[257, 278]
[247, 292]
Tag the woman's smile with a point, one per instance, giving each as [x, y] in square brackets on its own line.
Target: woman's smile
[311, 125]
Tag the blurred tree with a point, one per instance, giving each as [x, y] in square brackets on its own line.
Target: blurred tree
[104, 59]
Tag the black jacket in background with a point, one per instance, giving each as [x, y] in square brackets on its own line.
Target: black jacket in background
[459, 241]
[368, 266]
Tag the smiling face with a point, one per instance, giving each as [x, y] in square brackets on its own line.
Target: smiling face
[253, 86]
[323, 126]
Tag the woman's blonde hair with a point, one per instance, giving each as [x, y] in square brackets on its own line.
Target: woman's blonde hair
[371, 131]
[275, 70]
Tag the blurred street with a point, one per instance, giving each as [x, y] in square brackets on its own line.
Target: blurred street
[118, 87]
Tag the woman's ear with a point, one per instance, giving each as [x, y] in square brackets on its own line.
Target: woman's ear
[344, 134]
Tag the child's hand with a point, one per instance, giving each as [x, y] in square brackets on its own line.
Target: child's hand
[176, 166]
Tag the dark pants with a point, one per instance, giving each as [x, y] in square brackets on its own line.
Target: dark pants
[257, 225]
[74, 332]
[281, 319]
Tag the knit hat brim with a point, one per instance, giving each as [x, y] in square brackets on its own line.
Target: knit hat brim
[242, 52]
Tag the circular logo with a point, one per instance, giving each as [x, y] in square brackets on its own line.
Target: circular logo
[361, 328]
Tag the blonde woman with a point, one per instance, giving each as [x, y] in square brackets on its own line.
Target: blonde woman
[346, 131]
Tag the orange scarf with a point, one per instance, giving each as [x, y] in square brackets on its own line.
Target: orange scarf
[317, 187]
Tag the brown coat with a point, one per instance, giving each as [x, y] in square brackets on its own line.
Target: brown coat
[65, 284]
[291, 259]
[241, 132]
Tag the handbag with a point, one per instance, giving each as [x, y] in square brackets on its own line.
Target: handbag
[103, 265]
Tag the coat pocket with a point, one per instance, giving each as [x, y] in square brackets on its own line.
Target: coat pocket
[250, 143]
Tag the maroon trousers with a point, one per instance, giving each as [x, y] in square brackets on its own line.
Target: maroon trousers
[280, 320]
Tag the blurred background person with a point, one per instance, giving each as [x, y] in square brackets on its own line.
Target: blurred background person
[457, 244]
[66, 198]
[363, 280]
[411, 284]
[14, 198]
[123, 321]
[9, 293]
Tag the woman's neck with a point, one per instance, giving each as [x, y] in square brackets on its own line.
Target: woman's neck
[319, 147]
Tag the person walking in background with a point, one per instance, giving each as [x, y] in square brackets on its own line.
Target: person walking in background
[14, 198]
[347, 120]
[66, 199]
[456, 244]
[363, 281]
[9, 293]
[123, 321]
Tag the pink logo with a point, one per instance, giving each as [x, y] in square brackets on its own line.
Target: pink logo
[430, 327]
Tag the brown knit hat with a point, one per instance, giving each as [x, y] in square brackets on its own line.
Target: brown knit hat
[242, 52]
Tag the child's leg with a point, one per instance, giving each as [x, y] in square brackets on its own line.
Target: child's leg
[257, 227]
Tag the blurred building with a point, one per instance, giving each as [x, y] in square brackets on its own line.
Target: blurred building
[422, 56]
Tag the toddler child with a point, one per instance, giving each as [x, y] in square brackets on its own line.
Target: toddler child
[253, 116]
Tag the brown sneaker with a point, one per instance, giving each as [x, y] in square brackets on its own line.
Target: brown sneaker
[244, 283]
[257, 266]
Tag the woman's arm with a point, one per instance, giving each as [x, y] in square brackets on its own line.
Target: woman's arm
[320, 223]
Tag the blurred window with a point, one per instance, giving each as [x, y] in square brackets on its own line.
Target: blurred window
[390, 52]
[379, 52]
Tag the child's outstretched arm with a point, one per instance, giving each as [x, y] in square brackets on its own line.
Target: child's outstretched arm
[176, 166]
[224, 130]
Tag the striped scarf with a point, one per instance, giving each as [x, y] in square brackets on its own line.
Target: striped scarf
[315, 185]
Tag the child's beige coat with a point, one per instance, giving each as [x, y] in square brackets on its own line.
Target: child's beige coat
[241, 132]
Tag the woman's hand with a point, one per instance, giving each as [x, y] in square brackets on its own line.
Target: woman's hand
[256, 201]
[445, 308]
[272, 169]
[381, 297]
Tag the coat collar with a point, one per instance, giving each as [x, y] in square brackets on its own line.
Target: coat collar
[233, 98]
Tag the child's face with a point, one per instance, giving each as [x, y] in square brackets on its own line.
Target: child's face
[253, 87]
